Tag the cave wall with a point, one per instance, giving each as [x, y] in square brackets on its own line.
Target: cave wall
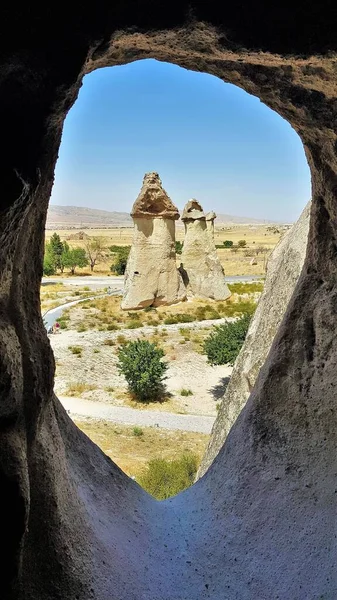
[283, 270]
[260, 523]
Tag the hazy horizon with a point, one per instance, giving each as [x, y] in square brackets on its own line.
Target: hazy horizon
[206, 139]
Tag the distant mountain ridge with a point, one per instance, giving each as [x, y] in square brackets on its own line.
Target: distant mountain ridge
[80, 217]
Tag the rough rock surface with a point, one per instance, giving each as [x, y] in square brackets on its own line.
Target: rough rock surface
[210, 218]
[283, 270]
[260, 524]
[200, 267]
[151, 275]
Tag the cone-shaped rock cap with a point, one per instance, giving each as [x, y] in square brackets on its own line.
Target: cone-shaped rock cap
[192, 211]
[153, 201]
[210, 216]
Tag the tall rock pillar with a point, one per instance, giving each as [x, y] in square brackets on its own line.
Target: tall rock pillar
[151, 276]
[210, 218]
[200, 265]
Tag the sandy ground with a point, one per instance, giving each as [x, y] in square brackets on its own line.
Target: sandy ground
[96, 367]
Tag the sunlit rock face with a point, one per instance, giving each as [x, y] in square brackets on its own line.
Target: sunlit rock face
[201, 269]
[283, 270]
[260, 524]
[210, 218]
[151, 276]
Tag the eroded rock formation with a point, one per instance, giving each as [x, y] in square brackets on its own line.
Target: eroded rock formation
[260, 524]
[283, 270]
[210, 218]
[201, 269]
[151, 276]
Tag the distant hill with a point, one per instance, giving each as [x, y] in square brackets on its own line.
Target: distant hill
[80, 217]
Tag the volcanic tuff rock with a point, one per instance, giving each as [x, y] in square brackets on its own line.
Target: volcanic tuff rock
[283, 270]
[151, 276]
[201, 269]
[210, 218]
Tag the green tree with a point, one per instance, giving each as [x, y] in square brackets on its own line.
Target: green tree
[242, 243]
[121, 258]
[55, 250]
[95, 249]
[228, 243]
[179, 247]
[224, 344]
[48, 265]
[74, 257]
[163, 479]
[141, 364]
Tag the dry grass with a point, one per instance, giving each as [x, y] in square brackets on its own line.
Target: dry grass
[105, 314]
[77, 388]
[55, 294]
[132, 452]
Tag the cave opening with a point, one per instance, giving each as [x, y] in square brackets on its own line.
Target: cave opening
[229, 151]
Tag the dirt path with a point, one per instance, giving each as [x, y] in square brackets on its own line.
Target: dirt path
[132, 416]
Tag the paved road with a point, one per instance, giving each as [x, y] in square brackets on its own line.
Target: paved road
[95, 283]
[132, 416]
[91, 281]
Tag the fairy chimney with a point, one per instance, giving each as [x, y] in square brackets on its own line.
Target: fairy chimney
[151, 276]
[210, 218]
[201, 269]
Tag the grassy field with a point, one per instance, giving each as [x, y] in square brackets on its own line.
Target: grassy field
[259, 238]
[132, 447]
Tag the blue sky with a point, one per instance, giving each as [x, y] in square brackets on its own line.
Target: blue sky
[207, 140]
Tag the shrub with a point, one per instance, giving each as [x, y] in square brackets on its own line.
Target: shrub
[163, 479]
[75, 349]
[137, 431]
[109, 342]
[121, 339]
[81, 328]
[242, 243]
[185, 392]
[179, 247]
[134, 324]
[228, 243]
[141, 364]
[112, 327]
[224, 344]
[150, 309]
[179, 318]
[122, 255]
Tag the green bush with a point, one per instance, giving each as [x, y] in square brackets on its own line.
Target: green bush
[179, 247]
[141, 364]
[242, 243]
[185, 392]
[163, 479]
[122, 255]
[228, 243]
[75, 349]
[137, 431]
[224, 344]
[48, 266]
